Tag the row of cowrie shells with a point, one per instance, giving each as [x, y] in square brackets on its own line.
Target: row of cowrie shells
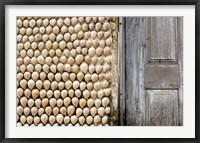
[74, 102]
[31, 84]
[60, 119]
[80, 19]
[60, 67]
[85, 101]
[97, 38]
[86, 93]
[100, 32]
[56, 124]
[61, 81]
[72, 74]
[66, 53]
[69, 111]
[48, 44]
[77, 23]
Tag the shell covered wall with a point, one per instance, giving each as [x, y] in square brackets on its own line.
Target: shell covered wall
[66, 70]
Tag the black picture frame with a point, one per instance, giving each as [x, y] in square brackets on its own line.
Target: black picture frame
[3, 4]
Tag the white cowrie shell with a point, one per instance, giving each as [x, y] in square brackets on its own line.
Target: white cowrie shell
[27, 93]
[30, 103]
[105, 101]
[44, 118]
[29, 120]
[66, 120]
[93, 94]
[86, 111]
[79, 112]
[80, 76]
[23, 83]
[101, 111]
[71, 93]
[97, 26]
[19, 92]
[89, 120]
[90, 102]
[81, 120]
[34, 111]
[45, 102]
[67, 21]
[97, 103]
[60, 22]
[67, 101]
[63, 93]
[63, 29]
[41, 111]
[101, 19]
[84, 67]
[86, 94]
[75, 101]
[63, 111]
[78, 93]
[82, 103]
[36, 120]
[107, 110]
[87, 77]
[52, 22]
[89, 86]
[35, 93]
[68, 84]
[74, 119]
[23, 119]
[97, 120]
[107, 92]
[52, 102]
[20, 110]
[19, 22]
[38, 103]
[55, 111]
[93, 111]
[23, 101]
[52, 119]
[70, 110]
[88, 19]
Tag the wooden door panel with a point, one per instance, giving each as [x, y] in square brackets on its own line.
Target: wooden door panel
[153, 71]
[162, 37]
[162, 107]
[162, 41]
[162, 76]
[162, 71]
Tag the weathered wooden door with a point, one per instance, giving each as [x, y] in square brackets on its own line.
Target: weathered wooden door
[152, 92]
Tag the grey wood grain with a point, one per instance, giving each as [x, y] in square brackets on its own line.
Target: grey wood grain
[135, 39]
[162, 76]
[163, 71]
[163, 41]
[161, 45]
[179, 40]
[153, 71]
[162, 107]
[122, 112]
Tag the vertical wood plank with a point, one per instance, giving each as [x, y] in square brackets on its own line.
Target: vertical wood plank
[122, 112]
[134, 41]
[179, 38]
